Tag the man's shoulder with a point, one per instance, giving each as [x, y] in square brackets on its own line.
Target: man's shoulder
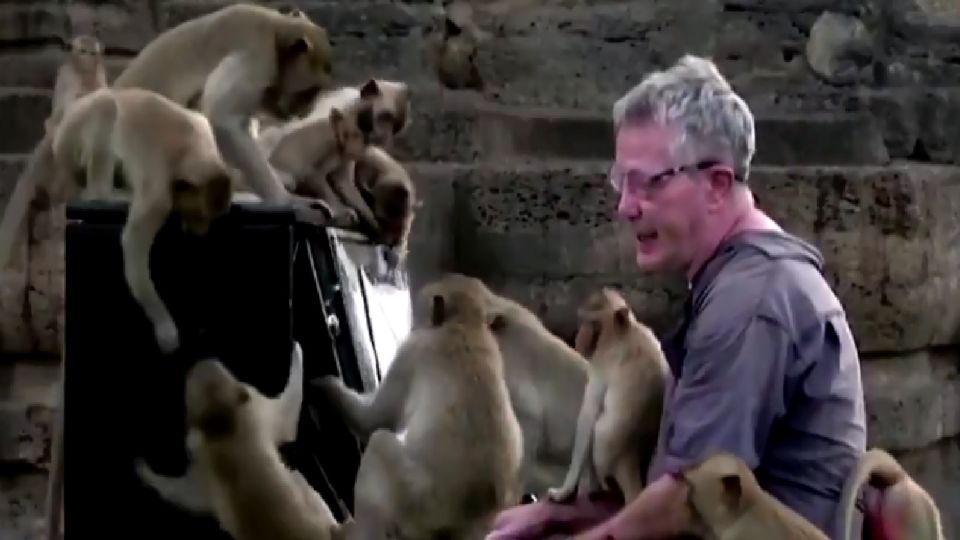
[767, 274]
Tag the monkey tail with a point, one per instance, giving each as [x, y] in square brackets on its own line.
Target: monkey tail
[37, 173]
[876, 464]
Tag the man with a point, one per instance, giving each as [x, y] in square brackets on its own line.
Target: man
[763, 363]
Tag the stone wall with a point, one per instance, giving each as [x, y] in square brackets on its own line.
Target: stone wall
[857, 152]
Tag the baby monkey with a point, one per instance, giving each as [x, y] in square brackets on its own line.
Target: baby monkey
[620, 414]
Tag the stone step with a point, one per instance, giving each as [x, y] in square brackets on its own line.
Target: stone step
[457, 126]
[890, 237]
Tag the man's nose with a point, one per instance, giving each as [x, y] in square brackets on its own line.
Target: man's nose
[627, 207]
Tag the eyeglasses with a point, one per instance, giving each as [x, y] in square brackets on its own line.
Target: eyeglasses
[636, 181]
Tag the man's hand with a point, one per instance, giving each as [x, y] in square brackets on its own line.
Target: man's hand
[660, 511]
[542, 519]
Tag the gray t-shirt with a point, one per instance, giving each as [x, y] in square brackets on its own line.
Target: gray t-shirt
[764, 365]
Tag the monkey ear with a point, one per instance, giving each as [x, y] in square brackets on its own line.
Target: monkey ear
[450, 28]
[370, 89]
[622, 316]
[437, 315]
[301, 45]
[732, 490]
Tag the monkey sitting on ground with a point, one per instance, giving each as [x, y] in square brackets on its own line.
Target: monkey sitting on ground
[452, 48]
[545, 377]
[171, 163]
[236, 472]
[81, 72]
[725, 502]
[236, 61]
[306, 151]
[619, 418]
[457, 464]
[903, 511]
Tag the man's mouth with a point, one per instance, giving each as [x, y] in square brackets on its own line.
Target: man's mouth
[646, 236]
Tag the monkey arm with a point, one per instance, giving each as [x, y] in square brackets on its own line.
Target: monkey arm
[230, 97]
[365, 413]
[184, 491]
[583, 439]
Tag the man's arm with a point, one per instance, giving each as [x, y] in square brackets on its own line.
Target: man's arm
[727, 397]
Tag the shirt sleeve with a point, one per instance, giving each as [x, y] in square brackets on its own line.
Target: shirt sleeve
[729, 393]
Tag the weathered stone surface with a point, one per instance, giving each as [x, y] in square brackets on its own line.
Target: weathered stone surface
[431, 243]
[820, 139]
[917, 123]
[23, 112]
[38, 69]
[889, 236]
[21, 505]
[913, 400]
[840, 48]
[45, 293]
[25, 439]
[121, 24]
[14, 329]
[937, 469]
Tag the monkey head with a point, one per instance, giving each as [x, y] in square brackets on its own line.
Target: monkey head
[446, 286]
[385, 110]
[85, 51]
[604, 317]
[214, 400]
[351, 141]
[202, 193]
[459, 306]
[719, 492]
[304, 66]
[454, 48]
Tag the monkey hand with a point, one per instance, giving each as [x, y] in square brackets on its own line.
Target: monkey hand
[345, 219]
[168, 338]
[312, 211]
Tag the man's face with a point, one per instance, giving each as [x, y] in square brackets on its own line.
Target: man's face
[666, 211]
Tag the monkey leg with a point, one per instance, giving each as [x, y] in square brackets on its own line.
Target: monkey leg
[384, 489]
[184, 491]
[345, 185]
[143, 222]
[341, 215]
[100, 167]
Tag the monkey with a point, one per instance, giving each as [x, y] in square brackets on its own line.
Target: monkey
[81, 72]
[546, 378]
[458, 461]
[725, 502]
[235, 471]
[384, 112]
[171, 163]
[306, 151]
[239, 60]
[387, 199]
[452, 48]
[619, 419]
[904, 510]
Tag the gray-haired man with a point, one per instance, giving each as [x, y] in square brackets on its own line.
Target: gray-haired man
[763, 362]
